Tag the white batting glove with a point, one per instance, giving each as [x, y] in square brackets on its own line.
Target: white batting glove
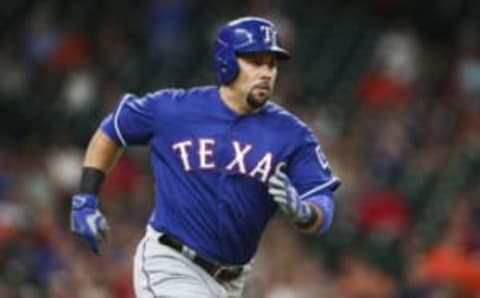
[286, 196]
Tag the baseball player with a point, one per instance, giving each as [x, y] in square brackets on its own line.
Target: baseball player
[224, 158]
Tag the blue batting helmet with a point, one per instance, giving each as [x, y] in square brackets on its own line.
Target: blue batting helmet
[244, 35]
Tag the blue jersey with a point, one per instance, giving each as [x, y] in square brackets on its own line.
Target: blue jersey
[211, 165]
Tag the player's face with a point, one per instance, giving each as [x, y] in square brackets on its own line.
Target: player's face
[256, 79]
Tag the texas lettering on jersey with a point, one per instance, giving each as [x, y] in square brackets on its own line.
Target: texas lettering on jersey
[211, 165]
[206, 160]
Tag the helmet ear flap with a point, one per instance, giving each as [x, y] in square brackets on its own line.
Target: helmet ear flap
[226, 65]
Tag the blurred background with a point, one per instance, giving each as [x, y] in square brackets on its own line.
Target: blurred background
[390, 87]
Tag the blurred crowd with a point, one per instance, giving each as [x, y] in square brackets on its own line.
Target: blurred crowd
[390, 87]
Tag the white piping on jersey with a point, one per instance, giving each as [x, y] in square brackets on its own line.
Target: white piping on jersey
[320, 187]
[133, 107]
[115, 119]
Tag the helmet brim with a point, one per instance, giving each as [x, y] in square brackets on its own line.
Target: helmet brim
[281, 54]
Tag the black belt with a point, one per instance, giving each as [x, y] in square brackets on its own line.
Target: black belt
[218, 271]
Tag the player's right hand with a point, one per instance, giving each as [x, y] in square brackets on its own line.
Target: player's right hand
[87, 221]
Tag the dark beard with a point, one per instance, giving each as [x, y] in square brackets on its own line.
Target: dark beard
[255, 104]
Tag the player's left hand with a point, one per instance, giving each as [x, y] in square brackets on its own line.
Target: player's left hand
[286, 196]
[87, 221]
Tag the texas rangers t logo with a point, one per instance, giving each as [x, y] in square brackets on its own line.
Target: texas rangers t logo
[270, 34]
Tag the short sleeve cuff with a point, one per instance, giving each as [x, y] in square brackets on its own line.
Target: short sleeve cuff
[108, 127]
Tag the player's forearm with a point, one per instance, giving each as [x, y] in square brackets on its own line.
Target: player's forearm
[102, 152]
[322, 215]
[314, 224]
[101, 155]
